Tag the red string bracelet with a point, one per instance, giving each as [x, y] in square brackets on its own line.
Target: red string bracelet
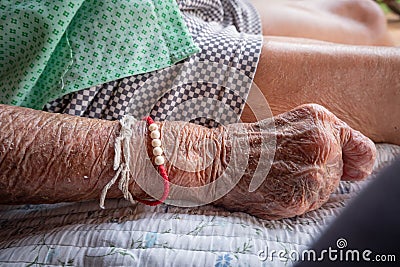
[158, 160]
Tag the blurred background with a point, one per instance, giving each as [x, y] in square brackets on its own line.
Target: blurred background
[392, 10]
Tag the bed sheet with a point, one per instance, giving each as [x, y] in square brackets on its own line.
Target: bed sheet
[81, 234]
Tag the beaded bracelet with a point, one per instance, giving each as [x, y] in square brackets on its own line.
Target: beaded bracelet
[158, 161]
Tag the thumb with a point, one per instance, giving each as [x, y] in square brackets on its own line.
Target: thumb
[359, 154]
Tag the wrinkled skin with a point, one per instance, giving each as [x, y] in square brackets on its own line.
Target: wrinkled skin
[48, 158]
[314, 151]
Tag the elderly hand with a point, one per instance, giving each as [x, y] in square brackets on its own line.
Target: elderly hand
[314, 151]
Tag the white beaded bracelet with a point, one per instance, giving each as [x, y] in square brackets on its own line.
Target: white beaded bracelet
[158, 160]
[156, 143]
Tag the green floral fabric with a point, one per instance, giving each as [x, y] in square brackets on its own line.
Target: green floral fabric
[52, 48]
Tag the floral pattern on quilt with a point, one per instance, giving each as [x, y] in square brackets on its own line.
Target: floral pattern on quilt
[81, 234]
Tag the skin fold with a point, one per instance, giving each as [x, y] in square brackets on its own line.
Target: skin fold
[48, 158]
[314, 151]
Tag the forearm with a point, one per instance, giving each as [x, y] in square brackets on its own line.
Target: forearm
[46, 158]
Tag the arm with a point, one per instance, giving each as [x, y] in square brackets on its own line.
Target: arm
[47, 158]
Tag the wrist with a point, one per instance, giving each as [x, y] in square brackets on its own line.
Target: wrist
[194, 156]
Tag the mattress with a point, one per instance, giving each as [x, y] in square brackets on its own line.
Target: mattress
[81, 234]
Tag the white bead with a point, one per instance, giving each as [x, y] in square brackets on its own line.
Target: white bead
[155, 134]
[153, 127]
[156, 142]
[159, 160]
[157, 151]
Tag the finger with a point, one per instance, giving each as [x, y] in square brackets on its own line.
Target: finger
[359, 154]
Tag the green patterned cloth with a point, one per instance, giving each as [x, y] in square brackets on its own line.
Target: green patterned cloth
[55, 47]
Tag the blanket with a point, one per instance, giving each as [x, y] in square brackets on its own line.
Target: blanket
[82, 234]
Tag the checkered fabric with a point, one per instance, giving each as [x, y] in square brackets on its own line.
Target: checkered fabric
[209, 88]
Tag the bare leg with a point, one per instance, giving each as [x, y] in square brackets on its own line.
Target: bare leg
[341, 21]
[360, 85]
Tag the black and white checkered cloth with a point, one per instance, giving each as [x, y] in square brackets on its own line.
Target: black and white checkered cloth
[208, 88]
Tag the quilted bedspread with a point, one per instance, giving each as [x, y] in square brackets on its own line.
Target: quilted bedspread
[81, 234]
